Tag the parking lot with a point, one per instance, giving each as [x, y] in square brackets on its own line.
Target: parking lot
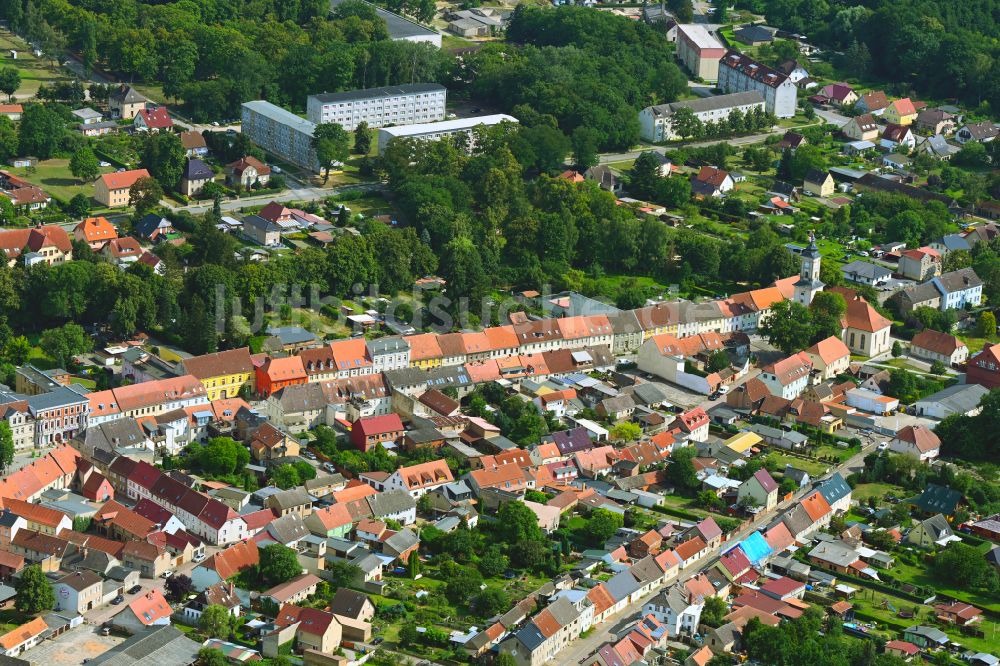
[74, 647]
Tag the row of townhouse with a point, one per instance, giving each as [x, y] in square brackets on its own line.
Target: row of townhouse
[203, 516]
[46, 418]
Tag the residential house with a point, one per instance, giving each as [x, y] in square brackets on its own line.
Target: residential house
[895, 136]
[79, 592]
[49, 244]
[930, 532]
[900, 112]
[873, 102]
[153, 120]
[761, 489]
[861, 128]
[112, 189]
[957, 613]
[935, 121]
[959, 289]
[712, 182]
[261, 231]
[194, 144]
[937, 499]
[125, 102]
[819, 183]
[277, 373]
[982, 132]
[95, 232]
[247, 172]
[677, 609]
[656, 123]
[787, 378]
[23, 638]
[840, 94]
[147, 610]
[932, 345]
[418, 479]
[225, 374]
[925, 637]
[196, 174]
[123, 252]
[372, 431]
[293, 591]
[830, 357]
[604, 177]
[865, 272]
[918, 440]
[153, 228]
[312, 629]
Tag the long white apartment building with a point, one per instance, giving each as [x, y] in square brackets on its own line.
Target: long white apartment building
[390, 105]
[656, 123]
[281, 133]
[437, 131]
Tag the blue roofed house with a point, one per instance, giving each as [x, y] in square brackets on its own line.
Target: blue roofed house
[196, 175]
[755, 547]
[837, 493]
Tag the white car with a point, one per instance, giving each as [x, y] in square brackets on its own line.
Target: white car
[105, 164]
[275, 169]
[166, 574]
[723, 390]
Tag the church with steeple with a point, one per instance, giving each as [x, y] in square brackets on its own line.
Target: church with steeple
[808, 284]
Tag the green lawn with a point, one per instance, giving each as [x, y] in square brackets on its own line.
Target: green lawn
[54, 177]
[34, 71]
[877, 490]
[919, 575]
[814, 467]
[976, 344]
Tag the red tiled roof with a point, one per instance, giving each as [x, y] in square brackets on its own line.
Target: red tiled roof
[122, 180]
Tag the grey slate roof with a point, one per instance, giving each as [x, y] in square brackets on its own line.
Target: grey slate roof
[964, 278]
[390, 502]
[713, 103]
[64, 396]
[286, 499]
[938, 499]
[257, 222]
[197, 170]
[287, 529]
[834, 488]
[160, 646]
[864, 269]
[392, 344]
[373, 93]
[834, 552]
[621, 585]
[958, 399]
[291, 335]
[937, 527]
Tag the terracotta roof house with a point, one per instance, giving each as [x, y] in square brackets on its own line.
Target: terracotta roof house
[934, 345]
[148, 610]
[919, 441]
[153, 120]
[51, 243]
[95, 232]
[112, 189]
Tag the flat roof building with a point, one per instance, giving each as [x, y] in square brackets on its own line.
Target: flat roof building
[699, 51]
[281, 133]
[390, 105]
[436, 131]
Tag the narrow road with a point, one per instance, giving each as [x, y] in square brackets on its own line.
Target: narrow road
[301, 193]
[582, 648]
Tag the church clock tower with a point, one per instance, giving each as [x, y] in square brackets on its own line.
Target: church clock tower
[808, 284]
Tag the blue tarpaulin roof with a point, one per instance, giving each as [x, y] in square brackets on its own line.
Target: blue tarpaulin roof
[755, 547]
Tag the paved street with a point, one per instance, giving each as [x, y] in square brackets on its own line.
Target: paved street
[302, 193]
[579, 650]
[832, 117]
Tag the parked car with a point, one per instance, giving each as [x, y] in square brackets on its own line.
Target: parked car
[134, 589]
[117, 600]
[166, 574]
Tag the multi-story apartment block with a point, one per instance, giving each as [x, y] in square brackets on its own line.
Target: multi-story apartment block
[280, 132]
[656, 122]
[389, 353]
[392, 105]
[59, 414]
[740, 73]
[699, 51]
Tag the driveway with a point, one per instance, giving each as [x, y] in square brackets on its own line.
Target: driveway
[832, 117]
[74, 647]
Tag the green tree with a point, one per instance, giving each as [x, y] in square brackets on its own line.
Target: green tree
[517, 523]
[219, 456]
[6, 446]
[897, 349]
[986, 325]
[285, 477]
[145, 195]
[278, 564]
[681, 470]
[212, 657]
[644, 175]
[413, 564]
[34, 593]
[40, 131]
[463, 585]
[362, 138]
[789, 327]
[826, 312]
[215, 621]
[585, 143]
[626, 431]
[721, 8]
[65, 342]
[504, 659]
[718, 360]
[938, 368]
[164, 157]
[602, 525]
[17, 350]
[491, 601]
[10, 81]
[342, 573]
[493, 562]
[84, 164]
[686, 124]
[714, 610]
[962, 565]
[331, 143]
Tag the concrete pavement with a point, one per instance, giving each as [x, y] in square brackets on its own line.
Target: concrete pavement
[582, 648]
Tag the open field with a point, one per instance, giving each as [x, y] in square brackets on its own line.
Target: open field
[54, 177]
[34, 71]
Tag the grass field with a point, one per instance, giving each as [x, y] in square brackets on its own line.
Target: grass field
[54, 177]
[877, 490]
[34, 71]
[815, 468]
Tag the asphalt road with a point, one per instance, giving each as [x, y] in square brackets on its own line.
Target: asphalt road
[581, 649]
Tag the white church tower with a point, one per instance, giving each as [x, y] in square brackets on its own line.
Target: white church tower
[808, 284]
